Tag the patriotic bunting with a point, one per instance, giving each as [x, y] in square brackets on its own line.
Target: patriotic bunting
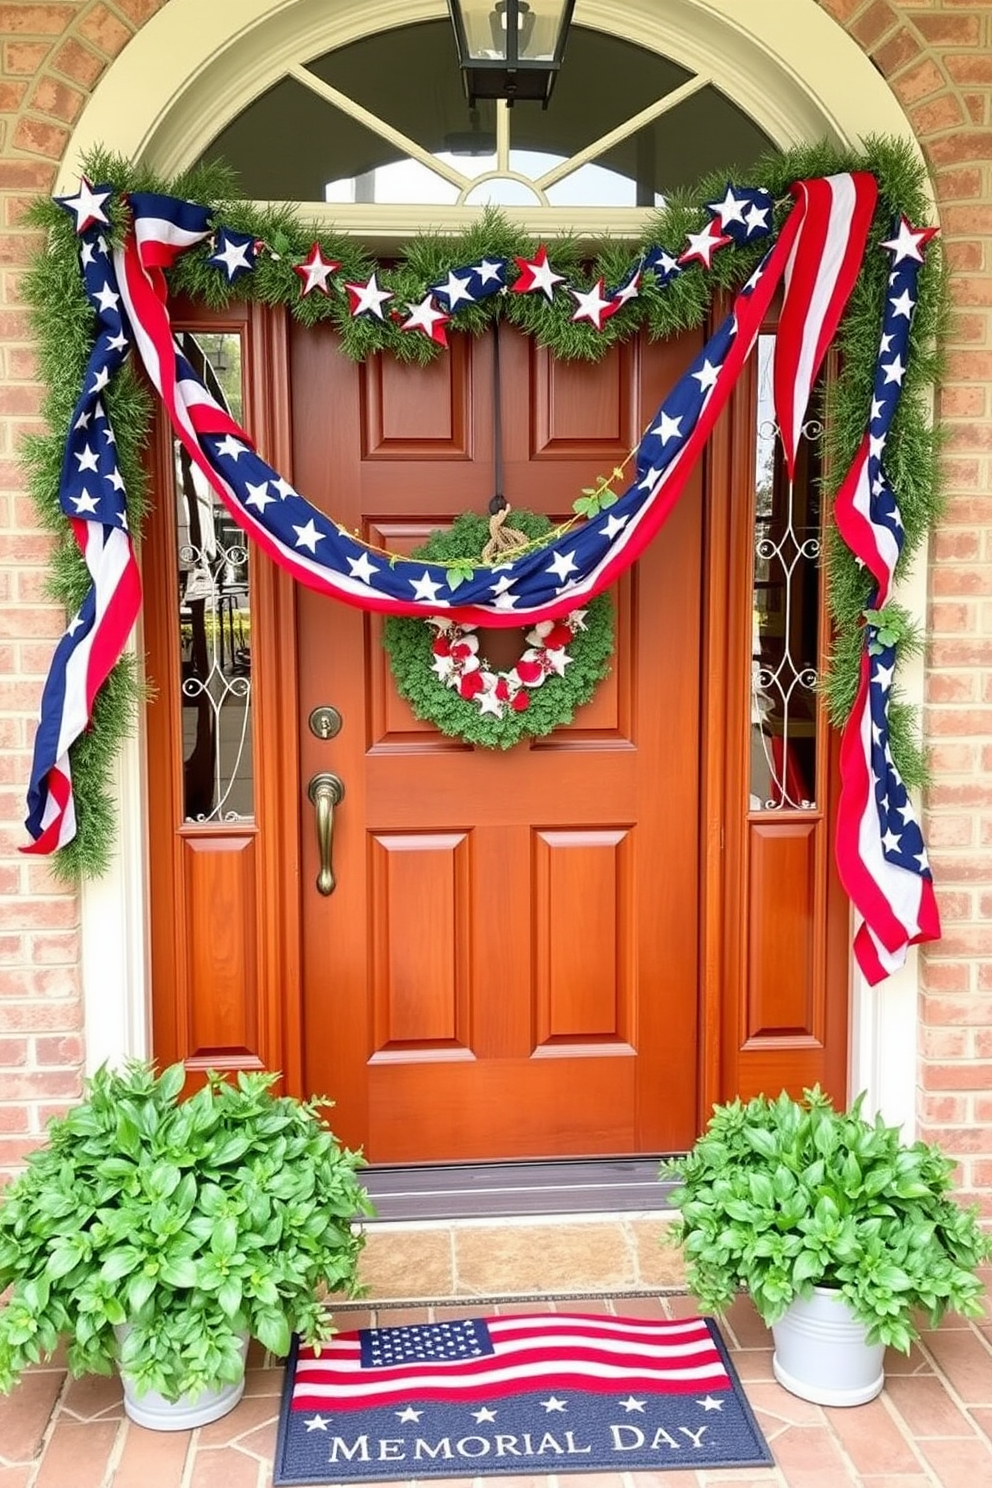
[880, 853]
[814, 261]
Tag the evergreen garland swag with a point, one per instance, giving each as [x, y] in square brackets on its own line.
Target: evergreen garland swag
[63, 323]
[410, 645]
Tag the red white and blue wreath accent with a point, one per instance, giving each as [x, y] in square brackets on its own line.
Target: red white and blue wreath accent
[458, 663]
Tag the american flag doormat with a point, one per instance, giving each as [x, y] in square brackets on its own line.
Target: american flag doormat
[536, 1394]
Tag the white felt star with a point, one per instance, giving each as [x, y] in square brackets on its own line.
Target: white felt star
[367, 298]
[315, 271]
[233, 258]
[429, 318]
[731, 209]
[592, 305]
[894, 371]
[909, 242]
[457, 288]
[903, 304]
[536, 273]
[489, 270]
[703, 245]
[87, 205]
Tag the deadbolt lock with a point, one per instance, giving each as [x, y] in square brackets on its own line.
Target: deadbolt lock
[325, 722]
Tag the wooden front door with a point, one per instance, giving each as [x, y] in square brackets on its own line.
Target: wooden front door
[574, 947]
[508, 964]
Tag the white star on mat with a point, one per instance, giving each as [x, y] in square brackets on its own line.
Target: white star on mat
[316, 1423]
[409, 1414]
[710, 1404]
[553, 1404]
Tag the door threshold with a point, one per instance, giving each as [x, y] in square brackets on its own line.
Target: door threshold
[500, 1190]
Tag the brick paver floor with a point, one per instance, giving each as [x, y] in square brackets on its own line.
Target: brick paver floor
[930, 1428]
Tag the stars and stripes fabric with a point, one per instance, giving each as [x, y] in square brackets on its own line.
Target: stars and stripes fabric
[881, 857]
[93, 498]
[484, 1359]
[814, 260]
[543, 584]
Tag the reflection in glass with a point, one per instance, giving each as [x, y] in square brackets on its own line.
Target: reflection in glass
[785, 611]
[214, 616]
[298, 144]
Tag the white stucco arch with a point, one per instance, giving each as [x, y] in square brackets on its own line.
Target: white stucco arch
[193, 67]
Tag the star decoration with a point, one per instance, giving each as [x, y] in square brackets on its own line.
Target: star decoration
[429, 318]
[731, 209]
[230, 446]
[367, 298]
[87, 204]
[592, 305]
[409, 1414]
[490, 271]
[84, 504]
[308, 536]
[106, 298]
[316, 1423]
[562, 565]
[362, 568]
[708, 375]
[663, 264]
[536, 274]
[710, 1403]
[630, 1404]
[234, 253]
[703, 245]
[483, 1414]
[613, 526]
[629, 289]
[909, 242]
[425, 588]
[553, 1404]
[87, 459]
[315, 270]
[455, 288]
[259, 497]
[667, 427]
[282, 486]
[903, 304]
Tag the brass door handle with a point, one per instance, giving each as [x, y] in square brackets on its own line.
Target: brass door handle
[325, 791]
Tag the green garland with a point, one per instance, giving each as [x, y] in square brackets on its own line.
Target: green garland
[409, 644]
[62, 323]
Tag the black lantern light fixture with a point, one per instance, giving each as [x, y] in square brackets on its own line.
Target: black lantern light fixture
[512, 49]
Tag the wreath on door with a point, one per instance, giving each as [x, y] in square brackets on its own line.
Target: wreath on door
[441, 668]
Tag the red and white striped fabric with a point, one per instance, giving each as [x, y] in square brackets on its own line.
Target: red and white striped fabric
[555, 1351]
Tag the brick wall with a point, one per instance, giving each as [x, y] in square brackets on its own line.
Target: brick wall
[937, 55]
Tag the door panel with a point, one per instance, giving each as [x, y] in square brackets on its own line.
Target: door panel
[513, 932]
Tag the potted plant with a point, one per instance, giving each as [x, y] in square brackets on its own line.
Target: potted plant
[837, 1229]
[159, 1235]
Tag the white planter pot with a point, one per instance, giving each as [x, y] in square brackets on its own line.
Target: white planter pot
[821, 1354]
[158, 1414]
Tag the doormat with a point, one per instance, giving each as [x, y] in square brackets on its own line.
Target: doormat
[535, 1394]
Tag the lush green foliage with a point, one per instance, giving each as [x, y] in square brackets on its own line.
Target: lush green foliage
[63, 323]
[409, 641]
[193, 1221]
[779, 1196]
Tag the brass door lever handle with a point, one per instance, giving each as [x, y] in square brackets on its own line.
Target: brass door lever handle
[325, 791]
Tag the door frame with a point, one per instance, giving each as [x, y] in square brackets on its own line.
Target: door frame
[259, 973]
[143, 108]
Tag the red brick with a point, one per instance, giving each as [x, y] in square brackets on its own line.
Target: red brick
[12, 96]
[946, 30]
[951, 687]
[24, 58]
[67, 1049]
[51, 96]
[963, 402]
[964, 144]
[41, 138]
[944, 1108]
[947, 976]
[937, 114]
[26, 175]
[101, 27]
[964, 67]
[948, 1043]
[78, 63]
[872, 24]
[899, 50]
[36, 20]
[971, 290]
[960, 185]
[139, 11]
[13, 1052]
[957, 1076]
[966, 257]
[920, 81]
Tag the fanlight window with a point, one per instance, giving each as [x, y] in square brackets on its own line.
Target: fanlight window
[385, 120]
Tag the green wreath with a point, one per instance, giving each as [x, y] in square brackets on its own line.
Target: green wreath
[419, 650]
